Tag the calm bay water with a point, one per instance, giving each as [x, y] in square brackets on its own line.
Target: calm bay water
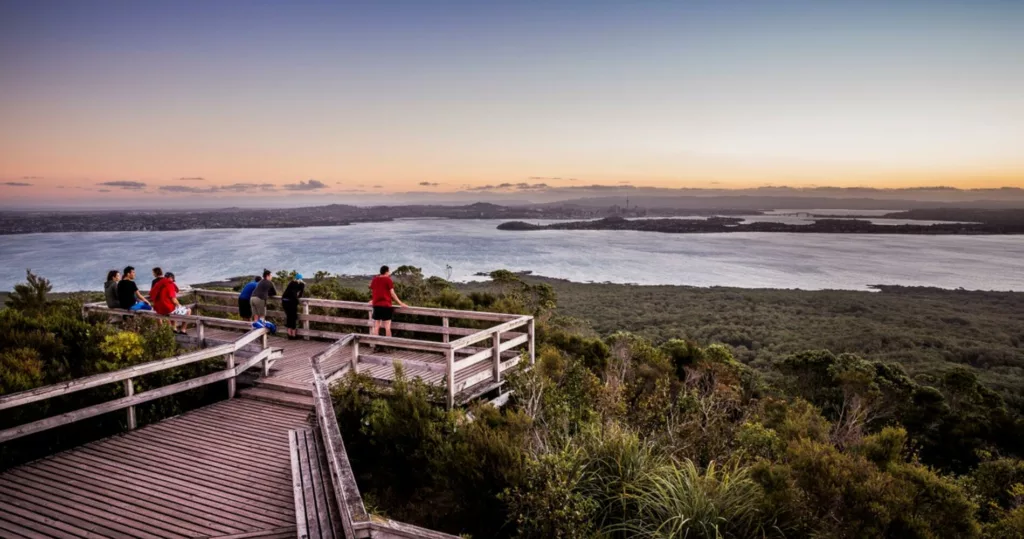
[79, 261]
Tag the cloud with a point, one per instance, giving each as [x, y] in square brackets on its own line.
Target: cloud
[549, 178]
[242, 187]
[531, 187]
[188, 189]
[378, 186]
[337, 183]
[31, 177]
[104, 190]
[124, 184]
[17, 184]
[192, 179]
[428, 184]
[309, 185]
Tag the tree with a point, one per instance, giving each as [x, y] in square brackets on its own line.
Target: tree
[31, 295]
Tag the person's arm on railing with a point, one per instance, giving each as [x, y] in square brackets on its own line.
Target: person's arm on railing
[395, 297]
[140, 297]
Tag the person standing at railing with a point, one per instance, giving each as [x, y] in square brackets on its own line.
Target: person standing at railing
[382, 290]
[264, 290]
[290, 303]
[244, 304]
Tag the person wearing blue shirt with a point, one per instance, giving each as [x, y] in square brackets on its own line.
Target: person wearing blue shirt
[244, 306]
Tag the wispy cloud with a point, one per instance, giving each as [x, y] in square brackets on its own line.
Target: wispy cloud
[309, 185]
[429, 184]
[188, 189]
[122, 184]
[17, 184]
[31, 177]
[192, 179]
[243, 187]
[104, 190]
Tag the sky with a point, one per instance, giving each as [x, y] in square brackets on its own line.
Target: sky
[172, 102]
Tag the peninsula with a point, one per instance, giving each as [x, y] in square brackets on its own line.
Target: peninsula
[729, 224]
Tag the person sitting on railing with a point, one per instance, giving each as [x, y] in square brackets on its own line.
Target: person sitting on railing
[264, 290]
[128, 295]
[290, 303]
[110, 289]
[244, 300]
[382, 292]
[165, 301]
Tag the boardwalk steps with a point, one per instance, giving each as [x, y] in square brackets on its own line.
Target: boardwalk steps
[316, 514]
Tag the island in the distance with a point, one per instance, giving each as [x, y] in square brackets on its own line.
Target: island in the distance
[730, 224]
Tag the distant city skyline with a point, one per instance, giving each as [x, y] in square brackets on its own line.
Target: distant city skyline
[333, 101]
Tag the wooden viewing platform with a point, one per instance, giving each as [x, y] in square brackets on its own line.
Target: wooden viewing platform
[269, 463]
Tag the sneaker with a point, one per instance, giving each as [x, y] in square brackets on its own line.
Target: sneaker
[257, 324]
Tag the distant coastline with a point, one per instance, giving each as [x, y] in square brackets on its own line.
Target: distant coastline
[1001, 224]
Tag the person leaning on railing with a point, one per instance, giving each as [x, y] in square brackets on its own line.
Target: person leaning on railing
[264, 290]
[290, 303]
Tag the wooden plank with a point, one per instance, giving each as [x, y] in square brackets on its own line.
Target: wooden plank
[319, 485]
[500, 328]
[398, 342]
[433, 366]
[474, 359]
[249, 337]
[87, 382]
[450, 377]
[129, 390]
[301, 526]
[110, 406]
[496, 357]
[508, 345]
[343, 480]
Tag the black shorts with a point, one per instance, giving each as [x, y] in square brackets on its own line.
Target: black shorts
[244, 309]
[383, 314]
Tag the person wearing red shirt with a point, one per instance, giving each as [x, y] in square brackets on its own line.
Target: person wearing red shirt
[382, 290]
[164, 296]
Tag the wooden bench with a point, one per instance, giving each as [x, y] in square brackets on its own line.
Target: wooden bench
[316, 513]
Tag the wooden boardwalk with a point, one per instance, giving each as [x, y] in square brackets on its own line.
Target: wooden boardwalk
[220, 471]
[244, 467]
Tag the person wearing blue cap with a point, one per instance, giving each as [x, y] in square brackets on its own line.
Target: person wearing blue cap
[290, 303]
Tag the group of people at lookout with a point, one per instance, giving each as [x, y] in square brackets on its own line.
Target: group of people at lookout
[123, 293]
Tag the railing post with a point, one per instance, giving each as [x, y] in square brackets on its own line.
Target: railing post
[496, 356]
[355, 355]
[231, 381]
[201, 332]
[530, 330]
[305, 323]
[266, 360]
[129, 390]
[444, 324]
[450, 356]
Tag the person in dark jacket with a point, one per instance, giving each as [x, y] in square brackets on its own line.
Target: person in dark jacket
[290, 303]
[244, 303]
[110, 289]
[128, 292]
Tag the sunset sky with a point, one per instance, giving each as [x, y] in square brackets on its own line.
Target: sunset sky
[230, 98]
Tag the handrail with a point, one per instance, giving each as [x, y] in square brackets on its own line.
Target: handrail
[126, 375]
[362, 306]
[355, 520]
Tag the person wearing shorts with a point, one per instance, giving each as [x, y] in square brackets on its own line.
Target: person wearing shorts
[244, 303]
[264, 290]
[164, 296]
[382, 292]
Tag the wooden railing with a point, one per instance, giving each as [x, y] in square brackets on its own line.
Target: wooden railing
[355, 520]
[125, 376]
[460, 354]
